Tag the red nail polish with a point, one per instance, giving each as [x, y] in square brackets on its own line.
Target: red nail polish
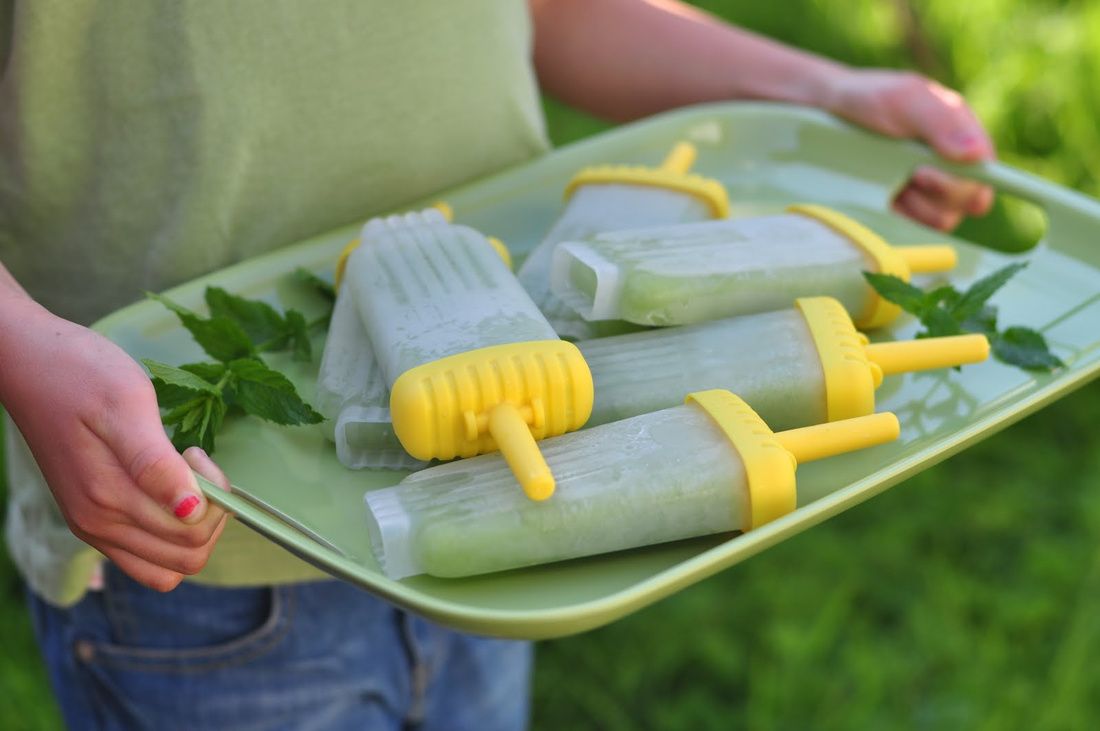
[186, 506]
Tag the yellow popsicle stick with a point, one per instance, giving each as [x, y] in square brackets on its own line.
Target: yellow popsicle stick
[680, 158]
[929, 258]
[927, 353]
[520, 450]
[837, 437]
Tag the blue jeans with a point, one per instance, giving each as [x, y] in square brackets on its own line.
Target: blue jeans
[322, 655]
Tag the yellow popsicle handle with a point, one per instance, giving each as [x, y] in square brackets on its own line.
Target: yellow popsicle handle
[929, 258]
[927, 353]
[521, 451]
[836, 437]
[680, 158]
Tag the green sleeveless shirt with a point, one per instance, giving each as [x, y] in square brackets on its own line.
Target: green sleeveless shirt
[145, 143]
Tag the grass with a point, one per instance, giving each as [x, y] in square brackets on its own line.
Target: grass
[963, 598]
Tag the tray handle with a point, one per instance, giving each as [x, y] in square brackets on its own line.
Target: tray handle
[1072, 218]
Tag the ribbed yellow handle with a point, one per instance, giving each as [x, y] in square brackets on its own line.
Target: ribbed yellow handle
[836, 437]
[514, 440]
[680, 158]
[928, 258]
[927, 353]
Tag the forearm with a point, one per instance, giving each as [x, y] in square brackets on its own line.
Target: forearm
[624, 59]
[18, 312]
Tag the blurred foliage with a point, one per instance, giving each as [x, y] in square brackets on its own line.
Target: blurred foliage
[964, 598]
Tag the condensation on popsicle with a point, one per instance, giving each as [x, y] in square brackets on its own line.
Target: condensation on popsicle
[352, 392]
[611, 197]
[799, 366]
[471, 363]
[679, 275]
[708, 466]
[352, 395]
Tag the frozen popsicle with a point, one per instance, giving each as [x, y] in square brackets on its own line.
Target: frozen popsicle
[795, 367]
[352, 395]
[612, 197]
[351, 390]
[678, 275]
[708, 466]
[471, 363]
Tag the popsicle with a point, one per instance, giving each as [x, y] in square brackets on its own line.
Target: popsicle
[708, 466]
[351, 390]
[471, 363]
[795, 367]
[352, 395]
[679, 275]
[611, 197]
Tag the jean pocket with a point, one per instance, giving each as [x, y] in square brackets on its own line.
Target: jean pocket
[193, 629]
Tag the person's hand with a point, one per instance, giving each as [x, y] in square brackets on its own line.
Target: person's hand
[89, 415]
[902, 104]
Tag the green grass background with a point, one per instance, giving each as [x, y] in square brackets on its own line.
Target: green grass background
[968, 596]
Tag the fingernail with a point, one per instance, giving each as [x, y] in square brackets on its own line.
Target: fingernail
[186, 506]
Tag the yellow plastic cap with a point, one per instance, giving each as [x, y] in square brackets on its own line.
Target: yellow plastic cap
[887, 259]
[769, 468]
[671, 174]
[853, 368]
[448, 408]
[770, 459]
[850, 377]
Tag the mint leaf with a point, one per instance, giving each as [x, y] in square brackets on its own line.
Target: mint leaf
[945, 295]
[315, 283]
[1025, 348]
[984, 321]
[259, 320]
[199, 425]
[938, 322]
[176, 386]
[298, 336]
[975, 297]
[178, 377]
[222, 338]
[266, 393]
[909, 298]
[210, 372]
[946, 311]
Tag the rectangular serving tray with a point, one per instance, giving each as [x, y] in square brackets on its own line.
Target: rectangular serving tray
[289, 486]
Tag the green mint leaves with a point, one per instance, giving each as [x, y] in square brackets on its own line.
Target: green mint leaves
[947, 311]
[196, 397]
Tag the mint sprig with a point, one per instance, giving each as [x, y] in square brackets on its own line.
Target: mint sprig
[947, 311]
[196, 397]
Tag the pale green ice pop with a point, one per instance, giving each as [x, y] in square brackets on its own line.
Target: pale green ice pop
[352, 395]
[795, 367]
[679, 275]
[611, 197]
[708, 466]
[471, 363]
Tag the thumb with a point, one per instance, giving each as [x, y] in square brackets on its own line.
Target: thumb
[946, 123]
[158, 470]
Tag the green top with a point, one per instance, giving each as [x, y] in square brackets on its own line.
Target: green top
[143, 144]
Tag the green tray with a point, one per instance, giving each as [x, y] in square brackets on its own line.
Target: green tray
[290, 487]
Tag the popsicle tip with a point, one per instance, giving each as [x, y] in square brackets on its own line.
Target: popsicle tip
[929, 258]
[445, 208]
[680, 158]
